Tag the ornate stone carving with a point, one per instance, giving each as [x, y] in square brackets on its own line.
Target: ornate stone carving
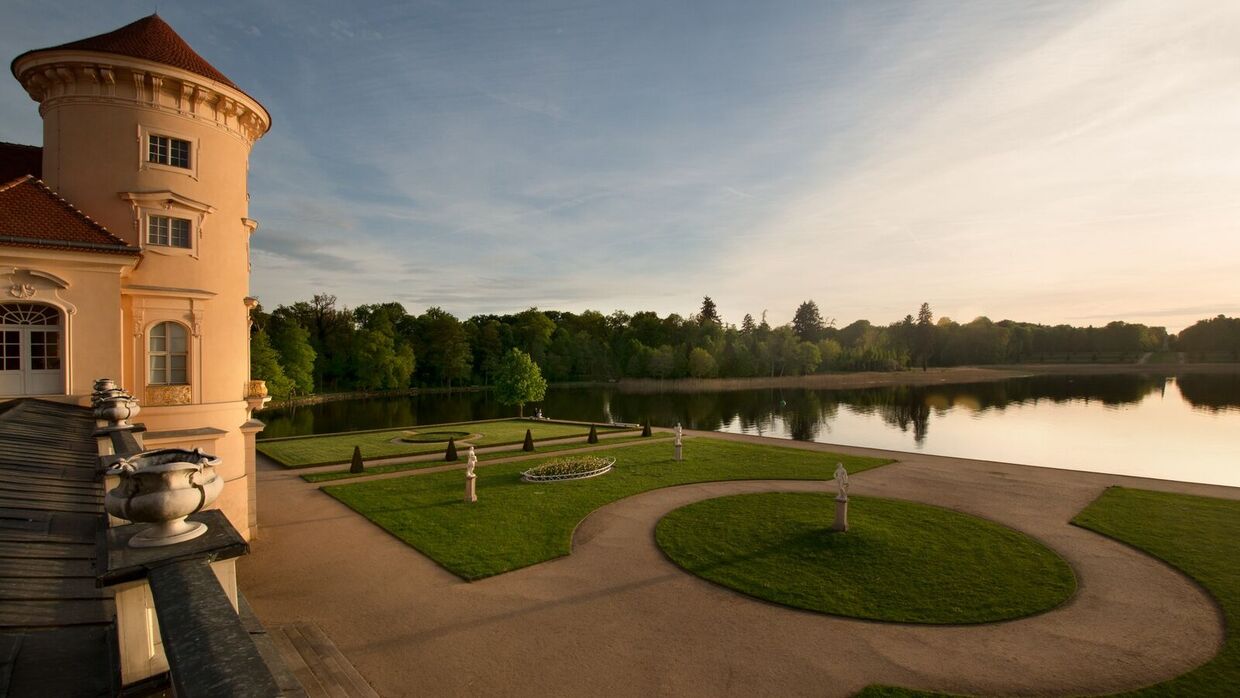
[164, 395]
[21, 290]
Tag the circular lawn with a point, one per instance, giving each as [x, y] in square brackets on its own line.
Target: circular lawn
[430, 437]
[899, 561]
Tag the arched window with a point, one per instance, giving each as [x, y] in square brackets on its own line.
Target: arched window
[169, 354]
[30, 349]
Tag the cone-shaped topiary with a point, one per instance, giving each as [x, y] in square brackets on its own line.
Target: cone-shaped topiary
[593, 438]
[357, 466]
[529, 441]
[450, 455]
[646, 428]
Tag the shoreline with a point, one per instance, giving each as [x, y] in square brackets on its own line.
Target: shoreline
[818, 381]
[933, 376]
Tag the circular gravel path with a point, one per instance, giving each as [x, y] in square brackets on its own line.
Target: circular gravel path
[617, 618]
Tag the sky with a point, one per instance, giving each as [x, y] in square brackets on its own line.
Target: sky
[1048, 161]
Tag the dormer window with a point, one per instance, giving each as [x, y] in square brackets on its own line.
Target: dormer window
[166, 150]
[168, 231]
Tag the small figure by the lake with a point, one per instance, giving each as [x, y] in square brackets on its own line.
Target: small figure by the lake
[471, 478]
[841, 498]
[679, 444]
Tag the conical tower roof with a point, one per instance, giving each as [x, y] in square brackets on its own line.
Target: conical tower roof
[149, 39]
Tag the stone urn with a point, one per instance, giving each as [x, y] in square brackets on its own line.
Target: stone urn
[100, 395]
[256, 389]
[102, 384]
[117, 409]
[162, 487]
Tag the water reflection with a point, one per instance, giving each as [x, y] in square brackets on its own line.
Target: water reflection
[1211, 392]
[806, 414]
[1134, 423]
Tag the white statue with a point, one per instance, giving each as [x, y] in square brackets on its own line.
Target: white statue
[841, 482]
[679, 433]
[471, 480]
[471, 463]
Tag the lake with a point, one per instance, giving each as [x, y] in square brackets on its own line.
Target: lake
[1177, 428]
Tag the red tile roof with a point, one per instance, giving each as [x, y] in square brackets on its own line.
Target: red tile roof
[31, 215]
[150, 39]
[18, 160]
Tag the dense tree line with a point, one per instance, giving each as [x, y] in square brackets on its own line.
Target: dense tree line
[318, 345]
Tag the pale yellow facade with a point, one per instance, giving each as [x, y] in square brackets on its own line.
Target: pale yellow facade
[100, 112]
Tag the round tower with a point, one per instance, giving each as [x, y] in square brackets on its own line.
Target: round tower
[150, 140]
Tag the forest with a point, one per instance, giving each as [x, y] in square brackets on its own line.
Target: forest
[321, 346]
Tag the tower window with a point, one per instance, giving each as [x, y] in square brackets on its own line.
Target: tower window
[168, 352]
[168, 151]
[167, 231]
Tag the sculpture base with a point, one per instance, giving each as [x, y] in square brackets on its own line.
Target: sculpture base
[679, 452]
[471, 494]
[841, 515]
[168, 533]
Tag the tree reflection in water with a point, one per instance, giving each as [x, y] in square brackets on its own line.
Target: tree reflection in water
[805, 415]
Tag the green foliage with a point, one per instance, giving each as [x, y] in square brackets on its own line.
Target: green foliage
[701, 363]
[709, 312]
[1218, 334]
[518, 380]
[325, 347]
[292, 342]
[593, 437]
[808, 323]
[899, 561]
[265, 365]
[519, 524]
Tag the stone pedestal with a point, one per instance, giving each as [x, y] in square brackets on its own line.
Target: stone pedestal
[841, 515]
[471, 494]
[679, 452]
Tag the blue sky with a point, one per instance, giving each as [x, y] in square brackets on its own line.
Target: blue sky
[1052, 161]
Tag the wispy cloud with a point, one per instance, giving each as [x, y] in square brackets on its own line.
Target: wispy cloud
[1046, 161]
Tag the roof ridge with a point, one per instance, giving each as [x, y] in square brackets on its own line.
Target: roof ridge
[14, 182]
[76, 210]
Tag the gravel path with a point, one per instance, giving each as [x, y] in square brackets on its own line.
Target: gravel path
[616, 618]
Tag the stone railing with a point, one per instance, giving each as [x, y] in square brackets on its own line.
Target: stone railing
[186, 577]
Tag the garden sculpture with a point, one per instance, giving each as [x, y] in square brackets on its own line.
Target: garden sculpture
[841, 499]
[679, 450]
[471, 479]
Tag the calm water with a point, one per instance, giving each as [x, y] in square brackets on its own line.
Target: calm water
[1185, 428]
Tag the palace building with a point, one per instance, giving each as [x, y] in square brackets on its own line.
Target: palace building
[124, 242]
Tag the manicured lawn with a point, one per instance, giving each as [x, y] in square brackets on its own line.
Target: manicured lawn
[516, 524]
[899, 561]
[482, 457]
[1198, 536]
[303, 452]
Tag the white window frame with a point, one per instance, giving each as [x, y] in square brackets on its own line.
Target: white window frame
[144, 144]
[170, 234]
[167, 354]
[166, 204]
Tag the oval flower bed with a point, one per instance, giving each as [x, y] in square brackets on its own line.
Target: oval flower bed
[427, 437]
[572, 468]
